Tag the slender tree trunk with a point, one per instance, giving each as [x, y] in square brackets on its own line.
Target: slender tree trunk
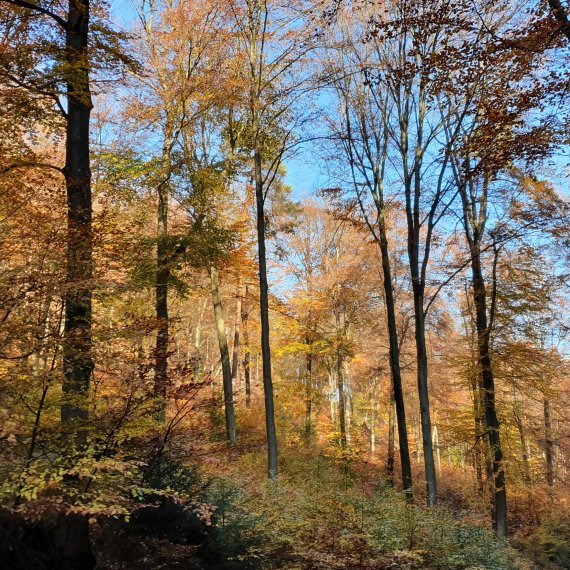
[332, 391]
[416, 430]
[341, 397]
[479, 420]
[524, 443]
[435, 435]
[308, 390]
[235, 350]
[372, 434]
[348, 401]
[394, 350]
[225, 357]
[374, 397]
[423, 391]
[391, 439]
[161, 302]
[197, 357]
[163, 278]
[264, 310]
[548, 444]
[246, 350]
[488, 389]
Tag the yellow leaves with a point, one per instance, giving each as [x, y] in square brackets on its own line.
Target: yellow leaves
[293, 348]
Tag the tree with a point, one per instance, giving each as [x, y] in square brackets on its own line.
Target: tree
[77, 357]
[271, 51]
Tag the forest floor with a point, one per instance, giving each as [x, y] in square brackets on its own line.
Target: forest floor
[329, 512]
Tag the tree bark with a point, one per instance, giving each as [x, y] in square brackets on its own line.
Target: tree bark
[77, 358]
[308, 390]
[488, 389]
[235, 349]
[479, 420]
[341, 398]
[548, 444]
[264, 311]
[161, 302]
[225, 357]
[391, 440]
[78, 363]
[423, 391]
[246, 351]
[394, 350]
[197, 356]
[519, 421]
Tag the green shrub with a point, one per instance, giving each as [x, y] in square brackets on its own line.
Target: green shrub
[549, 545]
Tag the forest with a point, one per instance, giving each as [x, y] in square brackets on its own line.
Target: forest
[284, 284]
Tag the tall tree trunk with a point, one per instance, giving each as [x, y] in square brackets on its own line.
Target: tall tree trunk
[246, 350]
[374, 397]
[519, 421]
[348, 401]
[548, 444]
[422, 375]
[488, 388]
[478, 449]
[77, 357]
[332, 391]
[225, 357]
[197, 357]
[394, 350]
[435, 435]
[161, 301]
[308, 390]
[416, 434]
[372, 434]
[235, 350]
[391, 439]
[163, 275]
[264, 310]
[341, 397]
[73, 539]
